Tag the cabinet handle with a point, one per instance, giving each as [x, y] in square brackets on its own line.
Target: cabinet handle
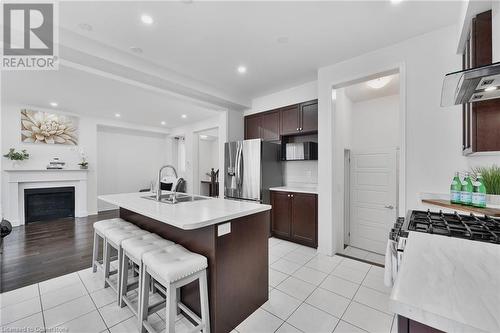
[298, 128]
[291, 195]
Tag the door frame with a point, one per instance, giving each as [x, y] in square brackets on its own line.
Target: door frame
[347, 197]
[338, 242]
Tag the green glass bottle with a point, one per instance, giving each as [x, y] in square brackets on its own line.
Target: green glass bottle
[455, 189]
[466, 191]
[479, 192]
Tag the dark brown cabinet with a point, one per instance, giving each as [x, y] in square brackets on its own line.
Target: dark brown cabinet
[294, 217]
[281, 216]
[480, 120]
[290, 120]
[264, 125]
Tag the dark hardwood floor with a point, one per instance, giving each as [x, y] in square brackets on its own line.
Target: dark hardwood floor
[43, 250]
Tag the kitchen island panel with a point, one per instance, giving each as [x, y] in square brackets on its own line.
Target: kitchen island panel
[237, 264]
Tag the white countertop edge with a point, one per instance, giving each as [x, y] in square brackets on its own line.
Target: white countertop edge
[42, 170]
[190, 226]
[430, 319]
[296, 189]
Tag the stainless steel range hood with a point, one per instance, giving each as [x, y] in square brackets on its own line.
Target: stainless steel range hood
[471, 85]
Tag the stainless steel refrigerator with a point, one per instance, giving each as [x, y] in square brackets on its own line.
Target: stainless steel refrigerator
[251, 167]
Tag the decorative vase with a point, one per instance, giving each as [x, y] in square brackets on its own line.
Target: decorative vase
[84, 167]
[16, 164]
[493, 200]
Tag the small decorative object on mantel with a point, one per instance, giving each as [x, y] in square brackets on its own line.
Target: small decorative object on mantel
[48, 128]
[84, 164]
[56, 164]
[17, 157]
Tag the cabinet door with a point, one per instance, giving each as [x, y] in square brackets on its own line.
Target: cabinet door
[252, 127]
[270, 126]
[304, 219]
[290, 120]
[309, 116]
[281, 214]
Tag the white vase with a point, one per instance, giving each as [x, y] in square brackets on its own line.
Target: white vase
[16, 164]
[493, 200]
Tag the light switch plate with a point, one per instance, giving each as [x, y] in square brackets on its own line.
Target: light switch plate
[223, 229]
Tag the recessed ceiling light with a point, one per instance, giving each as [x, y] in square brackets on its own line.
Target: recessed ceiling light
[490, 89]
[53, 104]
[117, 115]
[85, 27]
[136, 49]
[396, 1]
[146, 19]
[184, 116]
[203, 136]
[379, 83]
[163, 123]
[242, 69]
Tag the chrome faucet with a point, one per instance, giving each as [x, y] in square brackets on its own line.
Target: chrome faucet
[158, 192]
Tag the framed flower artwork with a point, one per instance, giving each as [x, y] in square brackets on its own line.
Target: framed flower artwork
[48, 128]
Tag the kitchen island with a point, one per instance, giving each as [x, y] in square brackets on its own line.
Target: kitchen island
[233, 235]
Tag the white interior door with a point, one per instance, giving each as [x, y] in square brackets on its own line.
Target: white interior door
[373, 198]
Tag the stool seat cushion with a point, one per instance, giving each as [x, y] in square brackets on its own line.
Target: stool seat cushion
[118, 235]
[110, 223]
[174, 262]
[137, 246]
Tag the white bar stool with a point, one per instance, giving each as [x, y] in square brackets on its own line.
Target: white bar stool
[174, 267]
[99, 228]
[113, 237]
[133, 250]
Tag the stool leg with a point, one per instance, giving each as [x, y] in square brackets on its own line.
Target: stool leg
[171, 308]
[119, 271]
[123, 280]
[106, 262]
[95, 252]
[144, 298]
[205, 313]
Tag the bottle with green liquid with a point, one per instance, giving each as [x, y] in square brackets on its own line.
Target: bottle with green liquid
[455, 189]
[466, 191]
[479, 192]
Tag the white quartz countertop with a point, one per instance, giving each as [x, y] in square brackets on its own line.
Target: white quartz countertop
[297, 189]
[185, 215]
[449, 283]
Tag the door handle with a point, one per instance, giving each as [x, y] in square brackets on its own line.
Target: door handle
[389, 206]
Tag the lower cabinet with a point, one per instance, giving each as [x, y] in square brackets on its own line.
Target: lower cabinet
[406, 325]
[295, 217]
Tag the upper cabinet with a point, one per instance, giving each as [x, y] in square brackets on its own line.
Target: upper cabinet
[290, 120]
[480, 120]
[264, 125]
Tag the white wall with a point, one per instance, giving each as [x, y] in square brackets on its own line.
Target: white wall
[302, 93]
[128, 160]
[433, 134]
[208, 157]
[41, 154]
[375, 123]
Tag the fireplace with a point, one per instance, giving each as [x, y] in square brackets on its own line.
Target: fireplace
[42, 204]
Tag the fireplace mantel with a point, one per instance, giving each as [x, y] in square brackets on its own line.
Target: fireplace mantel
[17, 180]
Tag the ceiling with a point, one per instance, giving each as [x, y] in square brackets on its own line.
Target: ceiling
[92, 95]
[281, 43]
[200, 44]
[360, 92]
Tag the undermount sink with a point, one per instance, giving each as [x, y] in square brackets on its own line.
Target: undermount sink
[179, 197]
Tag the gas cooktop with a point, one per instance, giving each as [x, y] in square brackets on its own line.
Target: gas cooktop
[479, 228]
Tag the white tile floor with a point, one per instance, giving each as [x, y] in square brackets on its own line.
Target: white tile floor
[308, 293]
[363, 254]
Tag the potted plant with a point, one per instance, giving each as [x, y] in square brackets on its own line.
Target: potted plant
[84, 164]
[491, 179]
[17, 157]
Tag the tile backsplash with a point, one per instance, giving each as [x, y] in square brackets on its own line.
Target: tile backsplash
[300, 172]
